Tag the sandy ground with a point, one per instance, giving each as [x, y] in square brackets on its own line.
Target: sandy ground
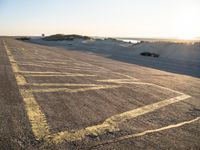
[174, 57]
[54, 98]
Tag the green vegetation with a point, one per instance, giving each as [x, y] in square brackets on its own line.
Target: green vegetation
[62, 37]
[23, 38]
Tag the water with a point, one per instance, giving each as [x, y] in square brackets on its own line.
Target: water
[129, 40]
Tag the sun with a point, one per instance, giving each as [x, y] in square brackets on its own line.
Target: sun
[185, 23]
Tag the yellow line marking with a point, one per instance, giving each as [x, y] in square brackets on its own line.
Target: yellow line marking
[60, 84]
[118, 80]
[116, 119]
[111, 124]
[36, 117]
[146, 132]
[36, 72]
[51, 62]
[151, 84]
[60, 75]
[20, 79]
[82, 64]
[72, 90]
[124, 75]
[38, 120]
[65, 67]
[138, 83]
[56, 73]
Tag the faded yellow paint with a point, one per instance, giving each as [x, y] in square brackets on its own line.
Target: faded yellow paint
[53, 67]
[35, 73]
[20, 79]
[111, 124]
[36, 117]
[60, 75]
[61, 84]
[120, 81]
[43, 72]
[116, 119]
[100, 87]
[83, 64]
[124, 75]
[146, 132]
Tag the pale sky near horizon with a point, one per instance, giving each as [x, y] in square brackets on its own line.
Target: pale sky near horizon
[119, 18]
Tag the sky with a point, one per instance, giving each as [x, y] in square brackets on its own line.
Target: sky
[108, 18]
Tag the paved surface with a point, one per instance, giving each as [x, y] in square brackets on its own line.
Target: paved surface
[51, 98]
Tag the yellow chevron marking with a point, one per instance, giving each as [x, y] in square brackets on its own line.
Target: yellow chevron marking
[111, 124]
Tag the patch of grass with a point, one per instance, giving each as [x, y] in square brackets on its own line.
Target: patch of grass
[23, 38]
[62, 37]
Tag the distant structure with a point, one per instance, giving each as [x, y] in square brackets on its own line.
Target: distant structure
[43, 35]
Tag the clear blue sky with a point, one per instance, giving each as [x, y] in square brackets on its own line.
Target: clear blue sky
[126, 18]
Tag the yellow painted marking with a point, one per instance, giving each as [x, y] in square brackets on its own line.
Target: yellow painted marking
[146, 132]
[111, 124]
[36, 117]
[60, 84]
[53, 67]
[73, 90]
[116, 119]
[118, 80]
[20, 79]
[60, 75]
[151, 84]
[36, 65]
[44, 72]
[38, 121]
[138, 83]
[124, 75]
[82, 64]
[51, 62]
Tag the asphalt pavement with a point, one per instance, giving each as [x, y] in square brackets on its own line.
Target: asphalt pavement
[52, 98]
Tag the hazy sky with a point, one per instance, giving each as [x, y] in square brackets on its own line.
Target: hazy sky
[126, 18]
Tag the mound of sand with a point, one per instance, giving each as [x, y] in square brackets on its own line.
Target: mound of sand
[183, 58]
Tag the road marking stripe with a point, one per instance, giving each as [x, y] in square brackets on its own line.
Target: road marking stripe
[35, 73]
[65, 67]
[60, 75]
[72, 90]
[118, 80]
[36, 117]
[116, 119]
[140, 83]
[145, 132]
[60, 84]
[111, 124]
[124, 75]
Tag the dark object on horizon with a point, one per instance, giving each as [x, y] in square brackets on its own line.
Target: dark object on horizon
[23, 38]
[43, 35]
[62, 37]
[149, 54]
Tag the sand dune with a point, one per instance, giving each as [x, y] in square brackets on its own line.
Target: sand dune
[182, 58]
